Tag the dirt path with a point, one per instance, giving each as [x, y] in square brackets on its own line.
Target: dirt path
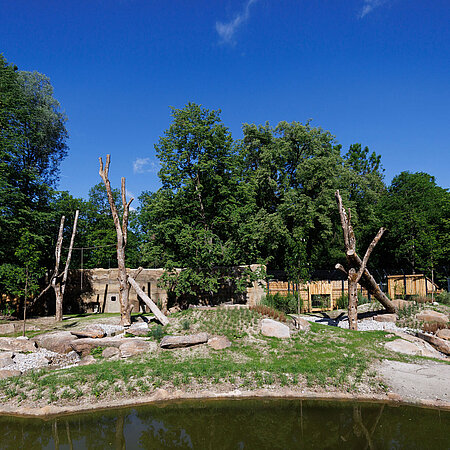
[428, 380]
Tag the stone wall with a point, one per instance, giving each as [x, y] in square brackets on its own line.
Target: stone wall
[99, 291]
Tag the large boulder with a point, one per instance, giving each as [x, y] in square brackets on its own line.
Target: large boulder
[301, 324]
[444, 333]
[272, 328]
[386, 318]
[17, 345]
[400, 304]
[136, 347]
[84, 346]
[7, 328]
[6, 359]
[432, 316]
[110, 352]
[219, 342]
[58, 341]
[138, 329]
[184, 341]
[413, 346]
[9, 373]
[439, 344]
[92, 331]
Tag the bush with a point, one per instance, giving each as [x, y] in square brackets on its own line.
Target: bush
[443, 297]
[157, 332]
[270, 312]
[342, 301]
[288, 304]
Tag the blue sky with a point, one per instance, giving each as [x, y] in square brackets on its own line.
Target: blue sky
[369, 71]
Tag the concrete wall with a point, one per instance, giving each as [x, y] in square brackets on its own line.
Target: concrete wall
[101, 290]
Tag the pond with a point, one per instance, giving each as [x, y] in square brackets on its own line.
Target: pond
[236, 424]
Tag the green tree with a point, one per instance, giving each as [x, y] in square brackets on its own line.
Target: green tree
[416, 212]
[190, 221]
[32, 145]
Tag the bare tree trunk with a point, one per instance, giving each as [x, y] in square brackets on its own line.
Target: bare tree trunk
[148, 301]
[56, 283]
[121, 231]
[352, 300]
[357, 268]
[59, 285]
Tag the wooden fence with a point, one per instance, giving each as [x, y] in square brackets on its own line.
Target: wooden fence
[401, 286]
[315, 295]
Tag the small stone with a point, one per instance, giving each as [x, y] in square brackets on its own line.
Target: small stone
[386, 318]
[432, 316]
[273, 328]
[9, 373]
[219, 342]
[110, 352]
[184, 341]
[444, 333]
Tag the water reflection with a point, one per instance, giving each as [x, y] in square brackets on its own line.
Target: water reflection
[245, 424]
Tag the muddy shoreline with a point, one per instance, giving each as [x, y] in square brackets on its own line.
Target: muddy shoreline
[162, 396]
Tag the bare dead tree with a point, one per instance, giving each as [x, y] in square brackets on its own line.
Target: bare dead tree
[59, 281]
[357, 271]
[122, 234]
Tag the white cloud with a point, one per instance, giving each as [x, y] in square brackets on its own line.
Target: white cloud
[369, 6]
[227, 30]
[144, 165]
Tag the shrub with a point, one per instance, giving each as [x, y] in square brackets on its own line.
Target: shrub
[342, 301]
[443, 297]
[270, 312]
[288, 304]
[185, 324]
[157, 332]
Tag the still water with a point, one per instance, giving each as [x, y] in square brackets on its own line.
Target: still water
[236, 424]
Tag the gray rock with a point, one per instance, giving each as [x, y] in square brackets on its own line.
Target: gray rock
[136, 347]
[219, 342]
[413, 346]
[439, 344]
[184, 341]
[9, 373]
[432, 316]
[110, 352]
[6, 359]
[17, 345]
[138, 329]
[87, 361]
[93, 333]
[58, 341]
[301, 324]
[386, 318]
[444, 333]
[84, 346]
[7, 328]
[273, 328]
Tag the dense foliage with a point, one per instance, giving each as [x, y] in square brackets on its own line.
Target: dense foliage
[266, 198]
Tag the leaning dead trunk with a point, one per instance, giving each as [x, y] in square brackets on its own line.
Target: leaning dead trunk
[121, 231]
[357, 268]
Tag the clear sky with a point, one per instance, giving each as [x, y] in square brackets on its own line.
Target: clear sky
[369, 71]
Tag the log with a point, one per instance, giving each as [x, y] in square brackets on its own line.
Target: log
[148, 301]
[368, 282]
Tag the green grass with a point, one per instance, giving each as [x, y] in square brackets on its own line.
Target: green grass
[325, 356]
